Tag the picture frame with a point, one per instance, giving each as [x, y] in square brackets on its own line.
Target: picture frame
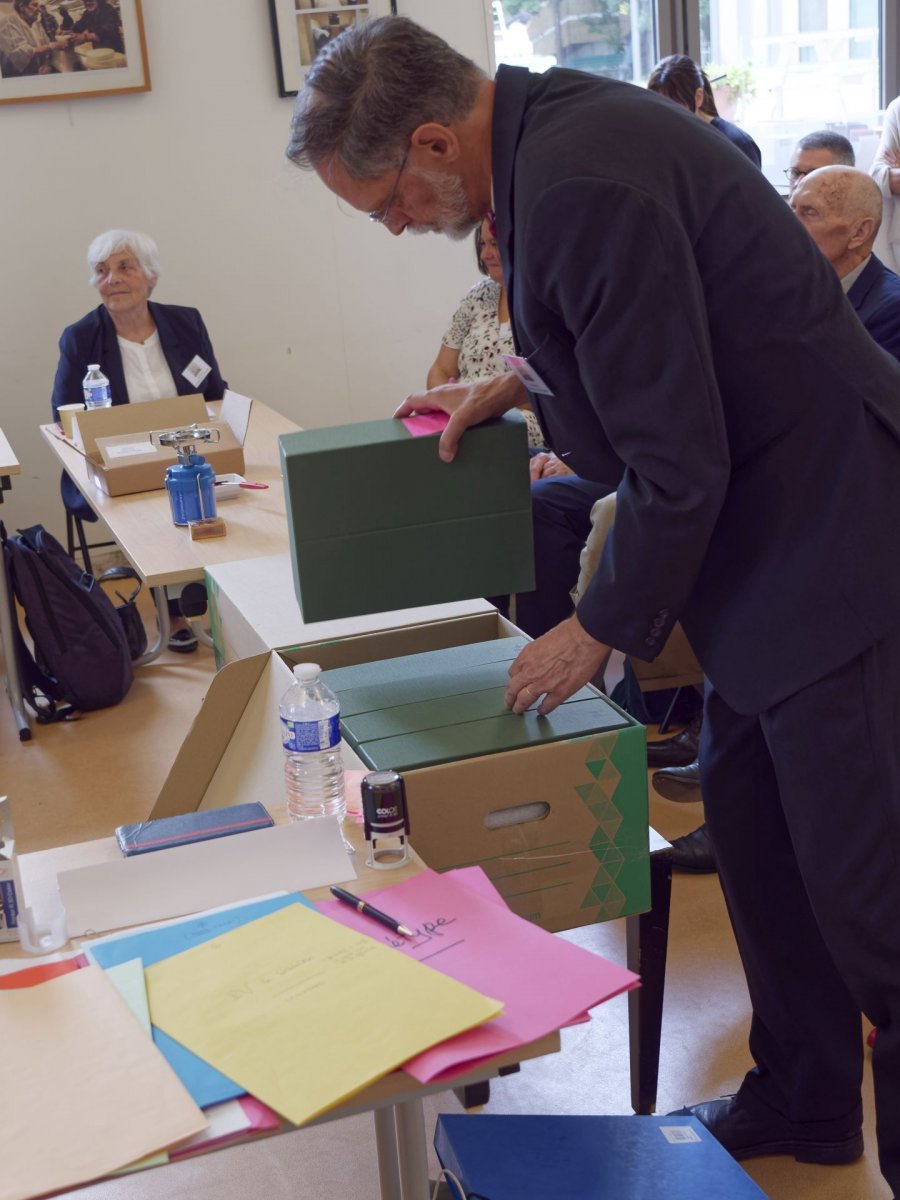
[300, 28]
[100, 49]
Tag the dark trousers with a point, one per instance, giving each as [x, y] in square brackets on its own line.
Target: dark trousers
[561, 517]
[803, 806]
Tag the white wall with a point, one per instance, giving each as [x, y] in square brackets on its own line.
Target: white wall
[309, 307]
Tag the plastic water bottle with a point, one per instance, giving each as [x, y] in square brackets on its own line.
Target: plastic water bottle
[96, 388]
[311, 737]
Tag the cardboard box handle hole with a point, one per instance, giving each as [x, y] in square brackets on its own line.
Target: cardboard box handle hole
[519, 814]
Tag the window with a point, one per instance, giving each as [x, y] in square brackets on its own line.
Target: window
[609, 37]
[792, 68]
[783, 68]
[813, 15]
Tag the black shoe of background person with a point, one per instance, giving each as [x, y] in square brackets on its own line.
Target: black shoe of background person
[694, 853]
[679, 750]
[751, 1134]
[678, 783]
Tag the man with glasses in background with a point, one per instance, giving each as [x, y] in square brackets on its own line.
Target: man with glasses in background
[824, 148]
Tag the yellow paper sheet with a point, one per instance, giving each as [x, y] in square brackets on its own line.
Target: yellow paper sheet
[303, 1012]
[86, 1091]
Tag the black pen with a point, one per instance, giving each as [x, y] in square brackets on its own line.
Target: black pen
[368, 911]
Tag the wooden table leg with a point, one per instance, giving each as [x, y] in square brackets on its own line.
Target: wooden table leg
[647, 939]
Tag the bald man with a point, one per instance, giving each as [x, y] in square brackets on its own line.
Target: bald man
[841, 210]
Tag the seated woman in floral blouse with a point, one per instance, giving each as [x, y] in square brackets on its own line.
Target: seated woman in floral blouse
[479, 335]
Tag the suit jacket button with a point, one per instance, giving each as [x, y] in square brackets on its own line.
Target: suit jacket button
[650, 641]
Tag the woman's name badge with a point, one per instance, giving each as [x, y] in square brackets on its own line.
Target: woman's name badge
[526, 374]
[196, 370]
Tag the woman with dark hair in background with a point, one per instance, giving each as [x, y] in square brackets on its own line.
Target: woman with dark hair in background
[680, 80]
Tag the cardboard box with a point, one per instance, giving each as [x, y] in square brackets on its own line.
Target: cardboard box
[252, 609]
[377, 522]
[561, 828]
[120, 457]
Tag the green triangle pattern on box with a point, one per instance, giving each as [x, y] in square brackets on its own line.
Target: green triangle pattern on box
[620, 840]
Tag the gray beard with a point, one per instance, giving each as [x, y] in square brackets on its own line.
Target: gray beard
[453, 217]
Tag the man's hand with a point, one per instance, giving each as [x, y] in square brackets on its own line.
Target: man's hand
[542, 466]
[892, 158]
[467, 404]
[554, 666]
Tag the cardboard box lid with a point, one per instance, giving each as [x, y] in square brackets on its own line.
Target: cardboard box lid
[120, 419]
[171, 412]
[426, 709]
[370, 476]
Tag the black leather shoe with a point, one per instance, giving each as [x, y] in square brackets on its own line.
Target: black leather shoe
[678, 783]
[694, 852]
[679, 750]
[746, 1134]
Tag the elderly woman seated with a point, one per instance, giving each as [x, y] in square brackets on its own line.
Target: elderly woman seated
[145, 349]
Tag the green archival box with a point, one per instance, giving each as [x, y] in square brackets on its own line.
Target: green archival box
[553, 808]
[378, 522]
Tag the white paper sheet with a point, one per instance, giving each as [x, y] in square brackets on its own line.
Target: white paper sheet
[189, 879]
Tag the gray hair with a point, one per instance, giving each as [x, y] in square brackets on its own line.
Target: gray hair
[113, 241]
[835, 143]
[370, 88]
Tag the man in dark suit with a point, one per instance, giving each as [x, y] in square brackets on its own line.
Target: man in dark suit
[841, 210]
[686, 343]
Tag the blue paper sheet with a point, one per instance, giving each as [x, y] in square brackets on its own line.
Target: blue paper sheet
[205, 1084]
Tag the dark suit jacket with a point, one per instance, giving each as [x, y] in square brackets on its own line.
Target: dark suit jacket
[740, 138]
[704, 362]
[182, 335]
[876, 298]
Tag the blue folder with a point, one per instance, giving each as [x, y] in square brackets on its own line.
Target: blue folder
[589, 1158]
[205, 1084]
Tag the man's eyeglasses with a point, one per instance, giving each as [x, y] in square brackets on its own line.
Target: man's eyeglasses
[380, 216]
[793, 174]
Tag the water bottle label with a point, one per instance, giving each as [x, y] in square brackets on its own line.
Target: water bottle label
[305, 736]
[97, 396]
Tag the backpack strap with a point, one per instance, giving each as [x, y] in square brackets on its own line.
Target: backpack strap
[121, 572]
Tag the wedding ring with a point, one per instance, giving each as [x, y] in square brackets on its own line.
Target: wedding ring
[529, 691]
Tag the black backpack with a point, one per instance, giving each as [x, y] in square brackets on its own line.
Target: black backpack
[81, 656]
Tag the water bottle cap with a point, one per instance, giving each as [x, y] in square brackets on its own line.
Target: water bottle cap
[305, 672]
[93, 366]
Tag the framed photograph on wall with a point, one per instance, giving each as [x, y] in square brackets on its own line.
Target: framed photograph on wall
[300, 28]
[70, 49]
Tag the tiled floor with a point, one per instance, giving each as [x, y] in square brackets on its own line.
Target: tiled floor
[79, 781]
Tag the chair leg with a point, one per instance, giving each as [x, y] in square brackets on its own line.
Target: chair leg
[664, 723]
[70, 534]
[83, 545]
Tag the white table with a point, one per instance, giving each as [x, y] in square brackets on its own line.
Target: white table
[162, 552]
[395, 1101]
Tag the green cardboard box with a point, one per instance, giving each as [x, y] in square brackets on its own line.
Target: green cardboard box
[378, 522]
[553, 808]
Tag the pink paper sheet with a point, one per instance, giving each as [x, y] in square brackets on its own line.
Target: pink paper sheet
[423, 424]
[544, 982]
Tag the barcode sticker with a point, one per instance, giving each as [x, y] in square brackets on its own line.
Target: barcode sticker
[679, 1133]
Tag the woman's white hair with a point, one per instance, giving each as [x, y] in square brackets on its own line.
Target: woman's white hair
[113, 241]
